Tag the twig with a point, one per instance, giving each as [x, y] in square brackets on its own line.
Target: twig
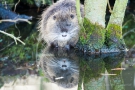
[7, 46]
[59, 78]
[110, 10]
[15, 20]
[16, 5]
[118, 69]
[12, 36]
[132, 30]
[107, 74]
[132, 48]
[126, 22]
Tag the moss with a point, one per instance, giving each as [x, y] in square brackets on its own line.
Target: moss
[114, 30]
[92, 35]
[114, 36]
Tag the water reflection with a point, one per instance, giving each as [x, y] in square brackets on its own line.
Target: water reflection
[61, 67]
[72, 70]
[98, 73]
[69, 69]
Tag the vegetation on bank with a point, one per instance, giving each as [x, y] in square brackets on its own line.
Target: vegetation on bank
[95, 36]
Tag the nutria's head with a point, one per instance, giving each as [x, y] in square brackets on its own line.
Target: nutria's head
[59, 24]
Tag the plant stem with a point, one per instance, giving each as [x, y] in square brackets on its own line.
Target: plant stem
[78, 12]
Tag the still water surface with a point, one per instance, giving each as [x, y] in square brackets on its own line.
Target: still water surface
[61, 70]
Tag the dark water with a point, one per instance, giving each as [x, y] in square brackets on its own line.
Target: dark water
[57, 69]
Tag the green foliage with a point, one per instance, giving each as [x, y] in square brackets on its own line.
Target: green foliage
[44, 2]
[130, 40]
[8, 1]
[29, 2]
[85, 31]
[129, 30]
[25, 52]
[47, 2]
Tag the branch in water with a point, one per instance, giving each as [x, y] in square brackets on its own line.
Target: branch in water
[12, 36]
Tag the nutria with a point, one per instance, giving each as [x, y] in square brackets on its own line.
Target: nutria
[59, 25]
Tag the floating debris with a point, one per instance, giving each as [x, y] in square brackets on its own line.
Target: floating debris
[107, 74]
[59, 78]
[118, 69]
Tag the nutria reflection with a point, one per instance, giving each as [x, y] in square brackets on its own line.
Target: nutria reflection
[60, 68]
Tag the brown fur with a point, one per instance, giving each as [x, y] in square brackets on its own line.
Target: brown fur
[59, 25]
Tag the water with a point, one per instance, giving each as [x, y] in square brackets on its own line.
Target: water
[56, 69]
[62, 70]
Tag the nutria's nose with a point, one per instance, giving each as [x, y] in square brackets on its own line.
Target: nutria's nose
[68, 24]
[64, 65]
[64, 30]
[64, 35]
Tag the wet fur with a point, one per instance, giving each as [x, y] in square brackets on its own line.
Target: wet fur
[52, 31]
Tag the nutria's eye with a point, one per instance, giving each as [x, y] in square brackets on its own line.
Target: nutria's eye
[72, 16]
[54, 17]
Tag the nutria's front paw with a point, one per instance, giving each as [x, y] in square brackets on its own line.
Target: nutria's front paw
[54, 45]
